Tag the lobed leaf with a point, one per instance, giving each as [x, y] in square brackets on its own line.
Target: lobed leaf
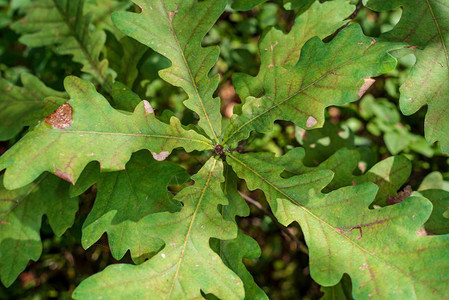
[21, 214]
[124, 198]
[341, 291]
[124, 98]
[175, 29]
[433, 180]
[102, 10]
[283, 50]
[88, 129]
[324, 75]
[186, 265]
[424, 25]
[61, 23]
[438, 223]
[389, 174]
[322, 143]
[233, 251]
[376, 247]
[22, 106]
[124, 57]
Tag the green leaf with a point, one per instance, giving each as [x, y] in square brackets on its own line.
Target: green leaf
[284, 50]
[88, 129]
[186, 264]
[175, 29]
[389, 174]
[433, 180]
[381, 109]
[88, 178]
[22, 106]
[260, 166]
[21, 214]
[341, 291]
[61, 23]
[243, 5]
[301, 94]
[438, 222]
[125, 197]
[124, 57]
[102, 10]
[300, 5]
[380, 249]
[323, 142]
[233, 251]
[124, 98]
[424, 24]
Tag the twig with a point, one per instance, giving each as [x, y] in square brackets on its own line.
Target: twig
[302, 247]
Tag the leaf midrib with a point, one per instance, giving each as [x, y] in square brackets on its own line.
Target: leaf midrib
[192, 79]
[440, 34]
[21, 218]
[292, 96]
[82, 47]
[25, 195]
[189, 231]
[140, 135]
[319, 219]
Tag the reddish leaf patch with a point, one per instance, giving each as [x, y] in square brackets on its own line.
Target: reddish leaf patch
[61, 118]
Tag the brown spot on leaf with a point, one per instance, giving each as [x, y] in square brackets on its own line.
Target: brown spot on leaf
[64, 175]
[368, 83]
[302, 133]
[311, 121]
[161, 156]
[274, 45]
[350, 230]
[148, 108]
[171, 14]
[362, 166]
[61, 118]
[141, 8]
[421, 232]
[364, 267]
[5, 222]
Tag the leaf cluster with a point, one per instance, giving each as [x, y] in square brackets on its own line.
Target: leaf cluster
[171, 186]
